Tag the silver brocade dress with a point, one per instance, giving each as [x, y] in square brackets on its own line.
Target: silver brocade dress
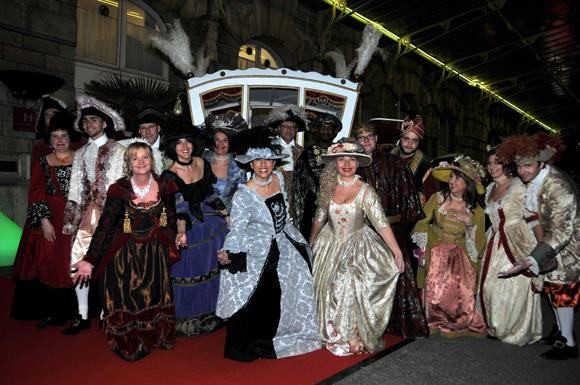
[355, 275]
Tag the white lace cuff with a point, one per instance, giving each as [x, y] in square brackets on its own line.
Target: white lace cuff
[69, 227]
[470, 243]
[533, 224]
[534, 268]
[420, 239]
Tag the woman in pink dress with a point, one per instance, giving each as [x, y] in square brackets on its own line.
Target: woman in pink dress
[451, 239]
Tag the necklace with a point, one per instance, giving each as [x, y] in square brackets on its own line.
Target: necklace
[347, 184]
[456, 199]
[267, 182]
[219, 158]
[141, 193]
[500, 179]
[63, 160]
[185, 163]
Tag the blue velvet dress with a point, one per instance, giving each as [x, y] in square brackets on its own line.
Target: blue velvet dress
[195, 277]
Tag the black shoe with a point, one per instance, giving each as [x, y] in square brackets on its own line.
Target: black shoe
[551, 338]
[76, 326]
[43, 323]
[561, 351]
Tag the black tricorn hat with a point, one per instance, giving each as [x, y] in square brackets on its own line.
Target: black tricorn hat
[149, 115]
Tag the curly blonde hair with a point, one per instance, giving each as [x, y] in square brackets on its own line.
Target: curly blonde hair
[131, 151]
[328, 182]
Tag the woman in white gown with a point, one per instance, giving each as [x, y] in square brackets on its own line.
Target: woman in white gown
[355, 268]
[510, 306]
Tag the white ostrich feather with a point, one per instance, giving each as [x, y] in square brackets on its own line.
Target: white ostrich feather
[384, 54]
[370, 41]
[202, 62]
[339, 63]
[176, 47]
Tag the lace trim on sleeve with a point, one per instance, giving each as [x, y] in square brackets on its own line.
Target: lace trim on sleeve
[470, 243]
[420, 239]
[535, 268]
[38, 211]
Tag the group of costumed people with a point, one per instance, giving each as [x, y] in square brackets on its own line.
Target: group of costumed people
[290, 248]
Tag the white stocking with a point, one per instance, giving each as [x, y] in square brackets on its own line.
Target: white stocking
[83, 299]
[566, 316]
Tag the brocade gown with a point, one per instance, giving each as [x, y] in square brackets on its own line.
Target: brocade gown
[510, 306]
[196, 276]
[355, 275]
[451, 270]
[266, 293]
[41, 266]
[133, 267]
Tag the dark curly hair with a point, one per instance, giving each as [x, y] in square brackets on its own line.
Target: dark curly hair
[61, 122]
[180, 128]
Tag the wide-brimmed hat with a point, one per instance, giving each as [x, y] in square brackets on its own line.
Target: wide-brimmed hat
[541, 147]
[91, 106]
[470, 167]
[257, 143]
[148, 115]
[346, 147]
[288, 113]
[229, 124]
[181, 128]
[323, 119]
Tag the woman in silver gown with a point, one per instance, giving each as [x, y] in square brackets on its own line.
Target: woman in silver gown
[266, 289]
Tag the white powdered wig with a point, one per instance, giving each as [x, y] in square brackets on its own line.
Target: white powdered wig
[176, 48]
[367, 48]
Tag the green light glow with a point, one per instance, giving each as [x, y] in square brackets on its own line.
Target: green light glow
[474, 83]
[9, 240]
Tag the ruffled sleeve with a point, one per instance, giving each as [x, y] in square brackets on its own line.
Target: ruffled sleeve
[419, 233]
[37, 204]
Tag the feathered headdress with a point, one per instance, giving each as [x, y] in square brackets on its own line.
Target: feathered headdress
[541, 147]
[229, 123]
[90, 106]
[288, 113]
[256, 143]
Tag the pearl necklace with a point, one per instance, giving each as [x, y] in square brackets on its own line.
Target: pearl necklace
[141, 193]
[219, 158]
[264, 183]
[347, 184]
[456, 199]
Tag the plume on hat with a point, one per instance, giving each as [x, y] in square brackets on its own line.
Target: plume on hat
[540, 147]
[288, 113]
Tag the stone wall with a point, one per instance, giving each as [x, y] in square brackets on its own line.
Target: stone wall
[38, 36]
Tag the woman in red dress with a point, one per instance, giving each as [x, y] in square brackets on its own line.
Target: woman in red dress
[41, 266]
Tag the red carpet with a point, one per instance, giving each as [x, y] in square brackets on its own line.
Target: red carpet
[32, 356]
